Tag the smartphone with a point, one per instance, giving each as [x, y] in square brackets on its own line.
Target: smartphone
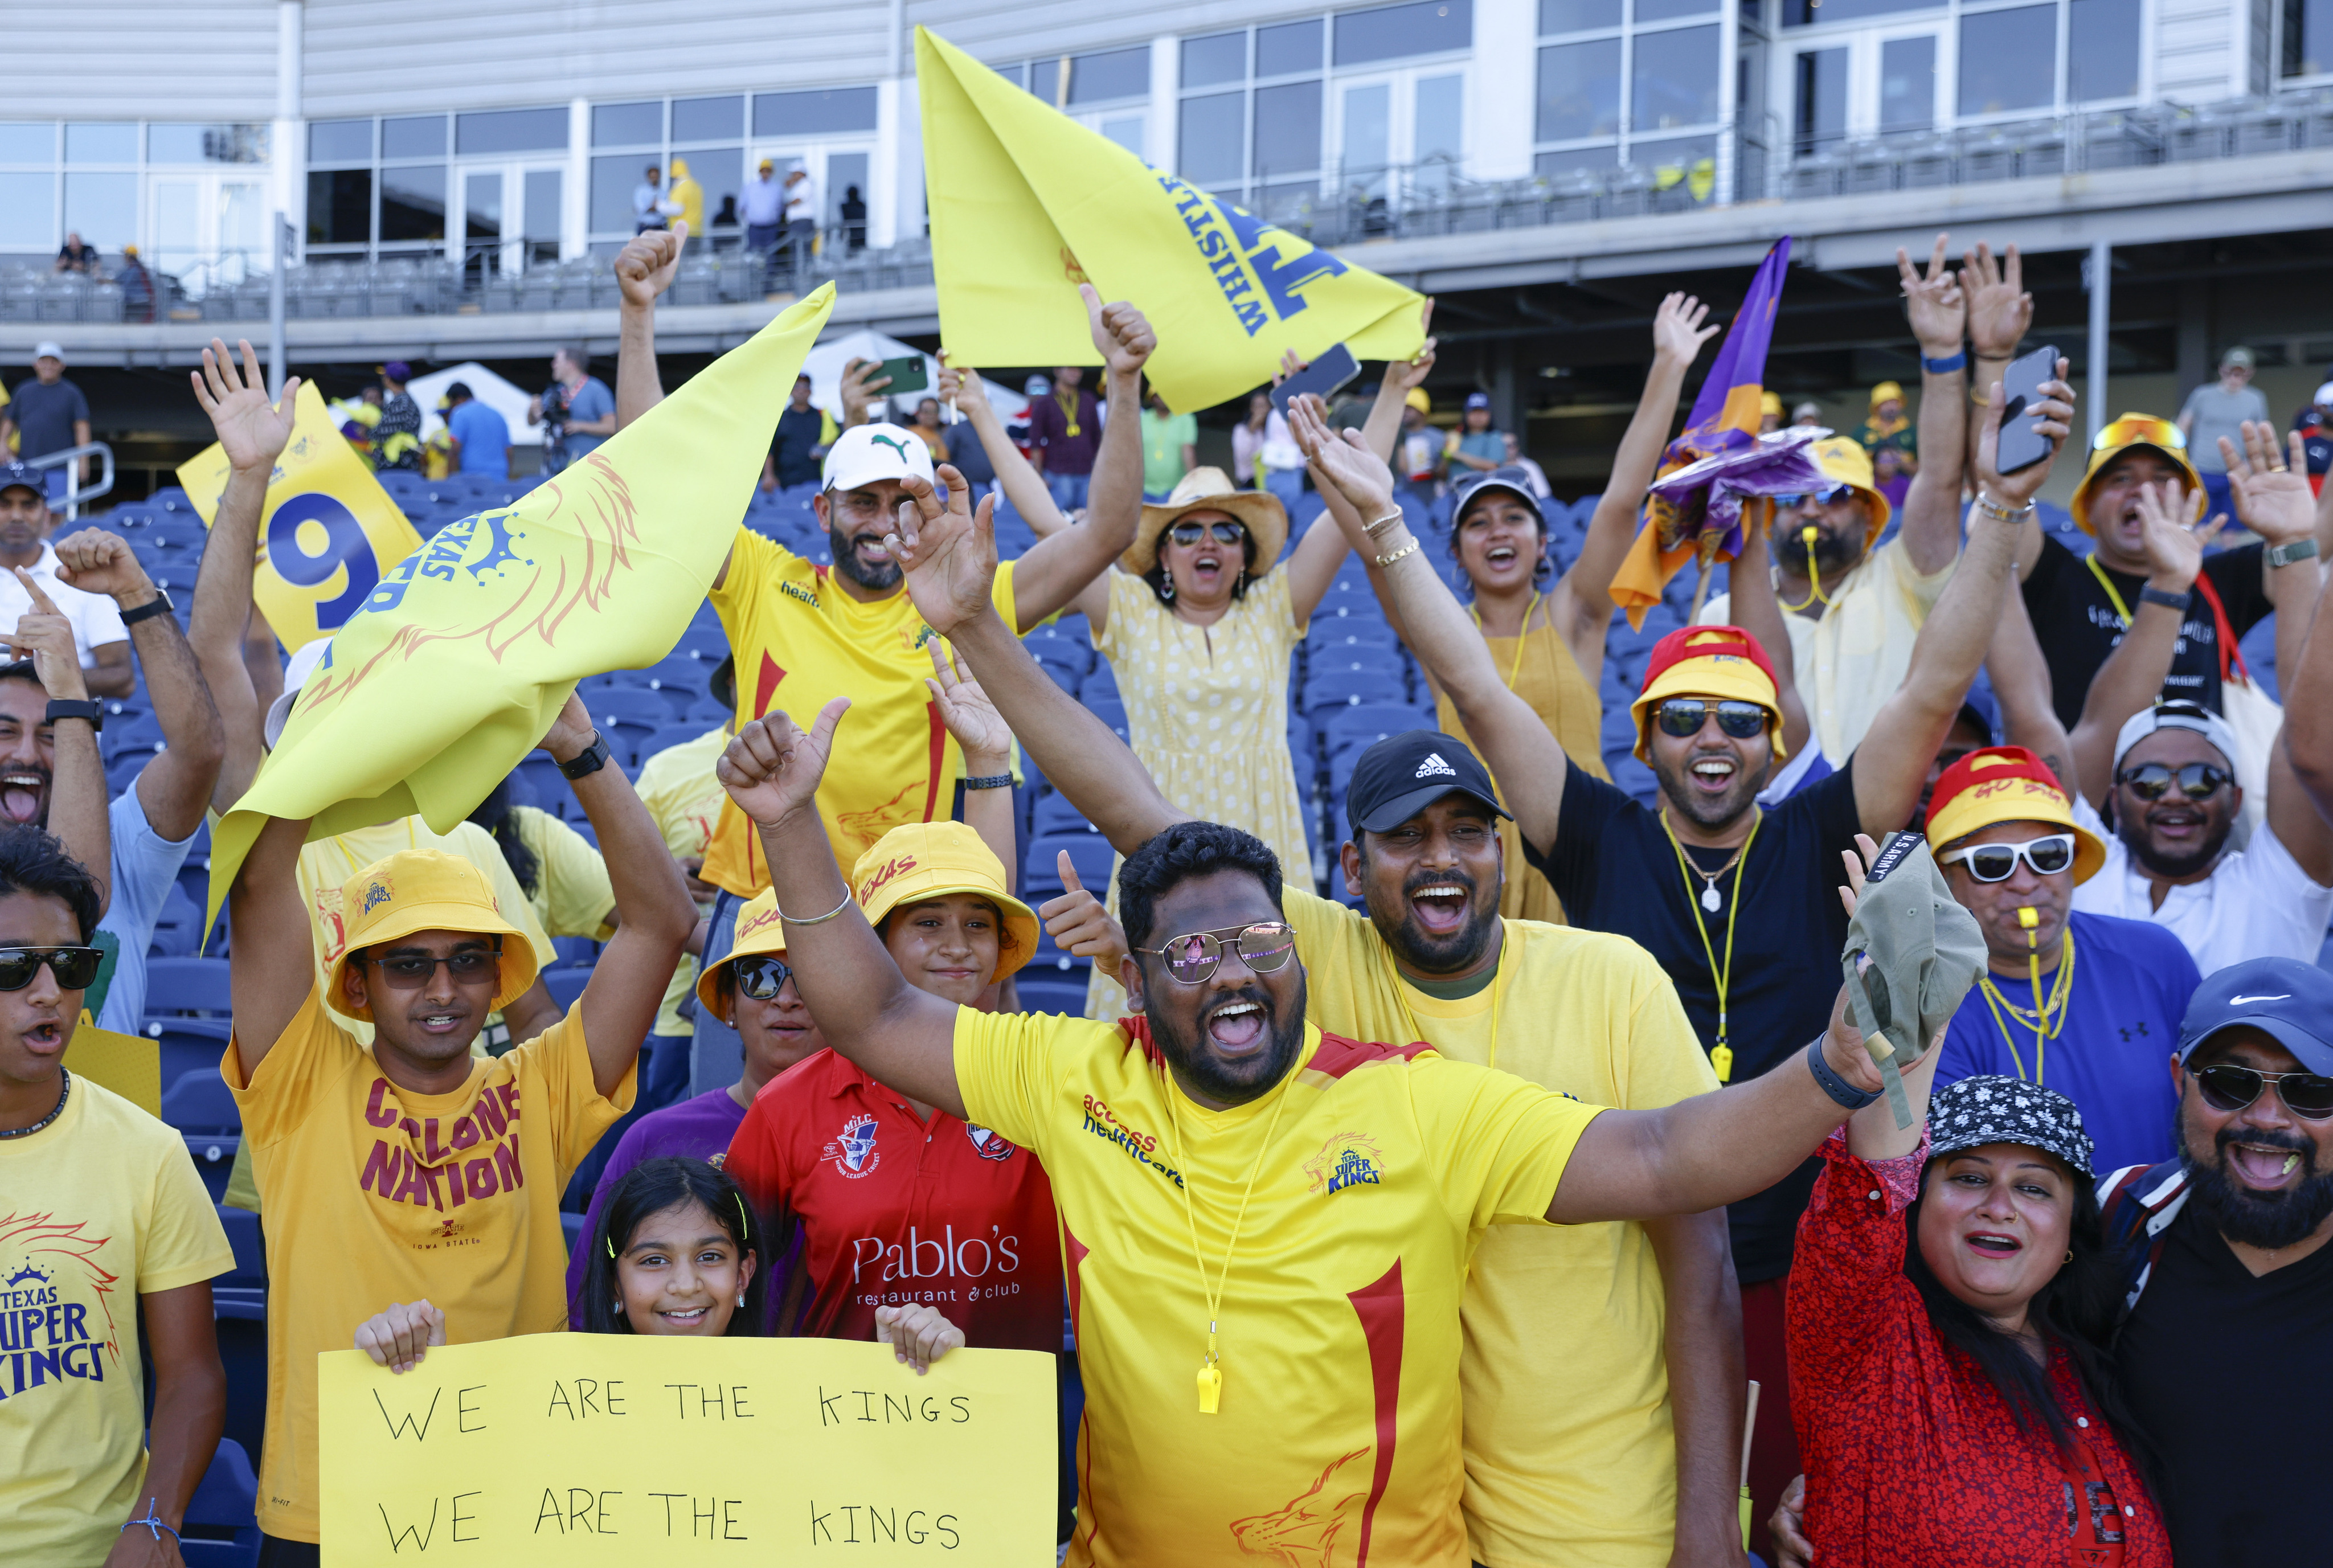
[1327, 376]
[908, 375]
[2021, 446]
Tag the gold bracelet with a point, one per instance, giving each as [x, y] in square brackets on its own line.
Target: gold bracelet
[1371, 528]
[1408, 549]
[820, 920]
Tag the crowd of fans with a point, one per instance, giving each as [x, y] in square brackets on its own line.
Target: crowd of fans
[1448, 1206]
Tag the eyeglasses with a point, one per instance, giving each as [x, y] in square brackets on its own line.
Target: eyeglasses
[1680, 716]
[2140, 430]
[1264, 947]
[2228, 1087]
[1998, 863]
[75, 968]
[2198, 781]
[1188, 534]
[411, 971]
[1791, 500]
[760, 978]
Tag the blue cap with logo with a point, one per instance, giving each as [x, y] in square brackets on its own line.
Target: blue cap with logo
[2284, 998]
[14, 474]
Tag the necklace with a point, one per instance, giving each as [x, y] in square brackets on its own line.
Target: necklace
[1521, 637]
[1721, 1055]
[64, 1091]
[1211, 1367]
[2045, 1028]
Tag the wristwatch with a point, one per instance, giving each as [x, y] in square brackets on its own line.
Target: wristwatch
[158, 605]
[2286, 554]
[590, 760]
[1841, 1090]
[68, 708]
[988, 780]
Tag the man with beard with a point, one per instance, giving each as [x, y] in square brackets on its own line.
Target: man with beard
[1267, 1227]
[2231, 1283]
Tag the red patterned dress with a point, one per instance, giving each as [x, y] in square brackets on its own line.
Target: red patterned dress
[1912, 1459]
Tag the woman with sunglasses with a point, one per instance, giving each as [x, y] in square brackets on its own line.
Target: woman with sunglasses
[2085, 1005]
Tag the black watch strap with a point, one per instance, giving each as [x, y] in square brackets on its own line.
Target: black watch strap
[158, 605]
[2151, 594]
[66, 707]
[1841, 1092]
[592, 759]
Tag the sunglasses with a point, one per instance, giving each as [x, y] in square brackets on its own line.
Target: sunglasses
[2140, 432]
[2228, 1087]
[1680, 716]
[760, 978]
[1791, 500]
[1264, 947]
[75, 968]
[1998, 863]
[1188, 534]
[2198, 781]
[411, 971]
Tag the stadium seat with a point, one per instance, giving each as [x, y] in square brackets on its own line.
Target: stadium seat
[1040, 879]
[188, 986]
[710, 712]
[179, 927]
[188, 1045]
[240, 1320]
[1064, 995]
[1111, 712]
[1348, 631]
[1054, 814]
[565, 986]
[1101, 682]
[221, 1528]
[1637, 780]
[1360, 726]
[1323, 695]
[673, 734]
[571, 1224]
[200, 1101]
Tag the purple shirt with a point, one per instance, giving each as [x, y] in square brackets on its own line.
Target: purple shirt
[1048, 426]
[699, 1128]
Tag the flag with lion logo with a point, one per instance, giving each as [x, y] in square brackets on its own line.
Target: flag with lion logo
[467, 648]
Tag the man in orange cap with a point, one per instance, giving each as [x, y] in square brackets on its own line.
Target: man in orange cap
[2081, 1003]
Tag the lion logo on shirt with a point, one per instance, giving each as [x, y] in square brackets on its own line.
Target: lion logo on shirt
[1348, 1159]
[854, 1153]
[1304, 1532]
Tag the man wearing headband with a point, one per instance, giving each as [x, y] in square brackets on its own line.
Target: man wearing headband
[413, 1169]
[2079, 1003]
[2227, 1276]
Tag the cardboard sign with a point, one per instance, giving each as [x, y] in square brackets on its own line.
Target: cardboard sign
[575, 1449]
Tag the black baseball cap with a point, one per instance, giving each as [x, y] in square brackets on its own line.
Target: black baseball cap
[1404, 774]
[2283, 997]
[14, 474]
[1512, 480]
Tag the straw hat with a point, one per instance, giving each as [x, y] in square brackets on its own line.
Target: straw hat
[1211, 490]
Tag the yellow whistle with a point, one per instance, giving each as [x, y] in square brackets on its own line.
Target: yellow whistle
[1211, 1388]
[1721, 1062]
[1807, 535]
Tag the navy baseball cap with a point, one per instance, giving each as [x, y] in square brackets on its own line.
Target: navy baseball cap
[2291, 1000]
[1404, 774]
[1512, 480]
[14, 474]
[1478, 400]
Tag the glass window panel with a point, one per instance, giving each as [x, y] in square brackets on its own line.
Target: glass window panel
[544, 220]
[837, 109]
[1046, 79]
[512, 130]
[846, 177]
[1365, 147]
[1690, 162]
[627, 125]
[612, 182]
[720, 170]
[1214, 139]
[1594, 160]
[1820, 103]
[1396, 31]
[243, 218]
[339, 207]
[1674, 79]
[33, 143]
[340, 141]
[2307, 37]
[1578, 15]
[2008, 59]
[1126, 129]
[1806, 13]
[708, 118]
[1908, 82]
[1668, 10]
[103, 208]
[1218, 57]
[1119, 73]
[1579, 89]
[1441, 118]
[28, 210]
[2102, 50]
[482, 204]
[1288, 128]
[175, 235]
[419, 136]
[413, 204]
[89, 143]
[1293, 47]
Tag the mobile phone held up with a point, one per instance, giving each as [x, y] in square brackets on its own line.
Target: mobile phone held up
[907, 374]
[1327, 376]
[2021, 446]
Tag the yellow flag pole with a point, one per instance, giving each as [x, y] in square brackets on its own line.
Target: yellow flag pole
[1748, 1423]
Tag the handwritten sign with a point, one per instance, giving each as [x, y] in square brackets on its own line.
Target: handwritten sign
[606, 1448]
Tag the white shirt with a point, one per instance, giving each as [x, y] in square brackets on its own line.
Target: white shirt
[2257, 903]
[802, 200]
[764, 203]
[95, 620]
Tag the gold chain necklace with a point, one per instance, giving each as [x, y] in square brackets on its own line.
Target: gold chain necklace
[2060, 1000]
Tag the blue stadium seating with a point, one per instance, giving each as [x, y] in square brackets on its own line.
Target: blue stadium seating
[1041, 993]
[673, 734]
[565, 986]
[188, 986]
[1040, 879]
[199, 1106]
[1054, 813]
[1364, 724]
[221, 1528]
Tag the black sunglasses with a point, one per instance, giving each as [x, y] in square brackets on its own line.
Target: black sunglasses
[2198, 781]
[760, 977]
[1998, 863]
[411, 971]
[1680, 716]
[1264, 947]
[1791, 500]
[2227, 1087]
[75, 968]
[1188, 534]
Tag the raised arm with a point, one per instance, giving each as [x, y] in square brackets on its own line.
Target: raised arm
[2022, 691]
[959, 387]
[645, 268]
[1756, 610]
[981, 734]
[1057, 570]
[77, 793]
[2134, 673]
[1892, 763]
[272, 962]
[901, 1036]
[1312, 566]
[2308, 748]
[1382, 428]
[1932, 507]
[2272, 499]
[2000, 311]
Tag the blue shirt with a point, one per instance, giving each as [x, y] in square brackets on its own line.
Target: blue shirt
[590, 401]
[2112, 1059]
[486, 438]
[144, 865]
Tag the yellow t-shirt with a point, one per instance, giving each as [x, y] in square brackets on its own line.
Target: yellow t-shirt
[572, 896]
[1588, 1480]
[799, 643]
[677, 786]
[374, 1194]
[1338, 1427]
[100, 1207]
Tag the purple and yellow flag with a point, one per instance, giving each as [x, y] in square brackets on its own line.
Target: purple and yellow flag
[1724, 417]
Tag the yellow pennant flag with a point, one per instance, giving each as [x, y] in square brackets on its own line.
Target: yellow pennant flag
[1026, 203]
[465, 652]
[329, 532]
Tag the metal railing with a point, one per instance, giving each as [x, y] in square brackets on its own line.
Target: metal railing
[70, 460]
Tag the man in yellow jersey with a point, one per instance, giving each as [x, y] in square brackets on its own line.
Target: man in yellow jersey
[413, 1169]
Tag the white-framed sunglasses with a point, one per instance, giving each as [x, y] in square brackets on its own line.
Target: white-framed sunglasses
[2047, 856]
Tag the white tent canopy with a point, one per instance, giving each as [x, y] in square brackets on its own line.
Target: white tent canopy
[486, 385]
[824, 363]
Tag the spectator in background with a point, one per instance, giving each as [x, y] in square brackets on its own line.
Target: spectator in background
[48, 414]
[396, 439]
[2217, 411]
[137, 286]
[802, 213]
[1247, 440]
[1418, 454]
[650, 210]
[2315, 424]
[801, 437]
[1530, 470]
[1170, 446]
[854, 219]
[966, 447]
[481, 438]
[576, 411]
[74, 256]
[99, 634]
[686, 197]
[1065, 429]
[926, 429]
[1807, 415]
[1770, 412]
[1888, 427]
[764, 208]
[1034, 388]
[1475, 444]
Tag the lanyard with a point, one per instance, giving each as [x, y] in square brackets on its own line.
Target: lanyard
[1522, 637]
[1721, 1055]
[2045, 1029]
[1499, 978]
[2122, 610]
[1211, 1371]
[1068, 406]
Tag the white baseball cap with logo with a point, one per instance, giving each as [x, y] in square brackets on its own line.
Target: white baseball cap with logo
[50, 351]
[296, 671]
[865, 454]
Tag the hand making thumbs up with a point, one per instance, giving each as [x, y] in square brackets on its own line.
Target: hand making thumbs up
[1079, 923]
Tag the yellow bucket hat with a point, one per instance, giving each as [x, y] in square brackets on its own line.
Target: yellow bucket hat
[923, 860]
[1771, 403]
[1886, 392]
[1211, 490]
[1845, 460]
[757, 930]
[424, 891]
[2128, 432]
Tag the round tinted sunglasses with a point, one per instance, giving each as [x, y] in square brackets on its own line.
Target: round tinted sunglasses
[1791, 500]
[75, 968]
[2228, 1087]
[1264, 947]
[1998, 863]
[1680, 716]
[1189, 533]
[760, 978]
[2198, 781]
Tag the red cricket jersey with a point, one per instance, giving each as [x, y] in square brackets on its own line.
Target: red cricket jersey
[895, 1211]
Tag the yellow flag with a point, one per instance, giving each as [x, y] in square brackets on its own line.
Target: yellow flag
[329, 532]
[1026, 203]
[128, 1064]
[465, 652]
